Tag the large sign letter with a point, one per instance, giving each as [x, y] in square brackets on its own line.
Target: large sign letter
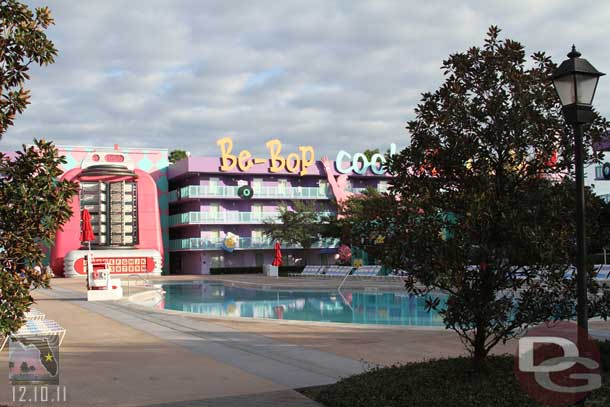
[276, 161]
[306, 160]
[227, 160]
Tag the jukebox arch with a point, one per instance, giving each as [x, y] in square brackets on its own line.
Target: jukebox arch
[125, 218]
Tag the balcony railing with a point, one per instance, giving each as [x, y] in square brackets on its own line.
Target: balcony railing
[228, 217]
[198, 243]
[599, 172]
[224, 191]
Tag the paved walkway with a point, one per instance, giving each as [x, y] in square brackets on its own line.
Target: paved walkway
[115, 358]
[286, 364]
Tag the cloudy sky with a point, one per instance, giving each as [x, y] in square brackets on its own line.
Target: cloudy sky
[332, 74]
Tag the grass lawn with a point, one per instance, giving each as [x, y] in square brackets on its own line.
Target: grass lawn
[444, 382]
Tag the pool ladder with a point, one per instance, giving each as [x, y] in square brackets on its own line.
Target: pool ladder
[147, 283]
[341, 294]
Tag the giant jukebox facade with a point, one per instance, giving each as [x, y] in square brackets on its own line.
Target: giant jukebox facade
[120, 189]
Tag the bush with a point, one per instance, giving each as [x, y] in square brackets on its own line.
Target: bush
[445, 382]
[604, 350]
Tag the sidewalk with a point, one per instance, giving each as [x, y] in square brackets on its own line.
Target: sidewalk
[106, 363]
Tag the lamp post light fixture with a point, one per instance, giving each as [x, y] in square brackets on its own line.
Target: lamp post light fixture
[575, 81]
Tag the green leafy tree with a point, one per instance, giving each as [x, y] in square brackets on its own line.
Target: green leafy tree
[33, 206]
[177, 155]
[298, 226]
[369, 153]
[22, 42]
[479, 208]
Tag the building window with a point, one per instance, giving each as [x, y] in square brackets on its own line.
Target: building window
[257, 185]
[213, 185]
[281, 186]
[217, 261]
[323, 187]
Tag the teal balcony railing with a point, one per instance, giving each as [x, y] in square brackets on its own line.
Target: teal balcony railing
[244, 243]
[223, 191]
[228, 217]
[599, 172]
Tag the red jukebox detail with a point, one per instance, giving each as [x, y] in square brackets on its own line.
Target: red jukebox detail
[118, 264]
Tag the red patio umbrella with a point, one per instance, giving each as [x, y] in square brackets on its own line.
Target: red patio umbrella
[277, 260]
[86, 235]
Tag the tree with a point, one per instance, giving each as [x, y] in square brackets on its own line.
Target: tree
[177, 155]
[369, 153]
[22, 42]
[33, 206]
[298, 226]
[483, 198]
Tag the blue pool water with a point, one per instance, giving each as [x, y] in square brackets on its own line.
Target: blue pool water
[361, 307]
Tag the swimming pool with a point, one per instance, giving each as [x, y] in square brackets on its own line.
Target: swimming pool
[353, 306]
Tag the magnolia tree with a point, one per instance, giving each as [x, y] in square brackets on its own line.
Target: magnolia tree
[22, 42]
[33, 204]
[482, 205]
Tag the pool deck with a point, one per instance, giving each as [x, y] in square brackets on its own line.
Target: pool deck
[121, 354]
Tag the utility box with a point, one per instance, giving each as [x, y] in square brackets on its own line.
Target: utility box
[270, 270]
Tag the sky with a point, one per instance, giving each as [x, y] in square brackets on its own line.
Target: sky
[331, 74]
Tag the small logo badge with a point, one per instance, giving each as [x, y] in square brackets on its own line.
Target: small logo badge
[554, 368]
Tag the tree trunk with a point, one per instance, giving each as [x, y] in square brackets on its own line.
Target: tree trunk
[480, 353]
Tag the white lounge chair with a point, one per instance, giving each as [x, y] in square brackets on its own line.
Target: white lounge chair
[367, 271]
[37, 328]
[33, 314]
[310, 270]
[603, 272]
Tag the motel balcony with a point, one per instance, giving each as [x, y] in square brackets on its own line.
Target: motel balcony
[228, 217]
[244, 243]
[224, 191]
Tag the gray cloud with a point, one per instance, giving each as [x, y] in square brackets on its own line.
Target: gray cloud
[342, 74]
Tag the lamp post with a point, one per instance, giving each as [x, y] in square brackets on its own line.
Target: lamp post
[575, 81]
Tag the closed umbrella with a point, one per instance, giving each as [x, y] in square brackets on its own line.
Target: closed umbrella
[277, 260]
[86, 235]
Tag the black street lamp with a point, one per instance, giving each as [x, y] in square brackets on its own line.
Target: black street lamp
[575, 81]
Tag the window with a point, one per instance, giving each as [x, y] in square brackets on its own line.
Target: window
[322, 187]
[281, 186]
[214, 211]
[258, 237]
[217, 261]
[257, 184]
[212, 235]
[213, 186]
[113, 209]
[257, 212]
